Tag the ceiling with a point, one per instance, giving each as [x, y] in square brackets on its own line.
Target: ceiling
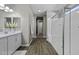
[43, 8]
[46, 7]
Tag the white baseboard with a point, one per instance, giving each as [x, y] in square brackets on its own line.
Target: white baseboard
[33, 36]
[27, 44]
[44, 36]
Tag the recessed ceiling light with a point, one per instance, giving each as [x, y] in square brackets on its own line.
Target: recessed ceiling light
[39, 10]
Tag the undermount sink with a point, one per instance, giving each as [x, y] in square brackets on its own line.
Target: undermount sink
[5, 32]
[2, 33]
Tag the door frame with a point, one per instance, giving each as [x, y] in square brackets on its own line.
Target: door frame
[63, 41]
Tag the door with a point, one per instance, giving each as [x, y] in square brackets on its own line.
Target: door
[11, 44]
[75, 33]
[3, 46]
[40, 27]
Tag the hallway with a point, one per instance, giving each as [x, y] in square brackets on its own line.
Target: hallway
[39, 29]
[40, 46]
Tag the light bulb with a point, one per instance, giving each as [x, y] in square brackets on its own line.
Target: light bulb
[11, 10]
[1, 8]
[2, 5]
[7, 8]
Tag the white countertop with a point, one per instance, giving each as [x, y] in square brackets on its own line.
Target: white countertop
[8, 34]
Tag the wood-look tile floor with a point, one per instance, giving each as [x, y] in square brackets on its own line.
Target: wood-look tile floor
[40, 46]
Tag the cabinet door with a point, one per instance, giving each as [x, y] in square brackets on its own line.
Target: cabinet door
[18, 40]
[3, 46]
[11, 44]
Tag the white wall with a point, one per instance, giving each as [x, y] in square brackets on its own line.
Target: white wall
[49, 22]
[44, 26]
[55, 33]
[26, 14]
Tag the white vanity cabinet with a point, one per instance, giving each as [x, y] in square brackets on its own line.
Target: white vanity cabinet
[14, 42]
[9, 43]
[3, 46]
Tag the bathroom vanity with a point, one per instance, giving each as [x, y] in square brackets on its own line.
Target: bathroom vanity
[9, 42]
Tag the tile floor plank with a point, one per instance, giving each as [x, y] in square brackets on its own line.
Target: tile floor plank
[41, 47]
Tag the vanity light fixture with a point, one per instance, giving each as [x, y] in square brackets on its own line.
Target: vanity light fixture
[6, 10]
[11, 10]
[1, 8]
[2, 5]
